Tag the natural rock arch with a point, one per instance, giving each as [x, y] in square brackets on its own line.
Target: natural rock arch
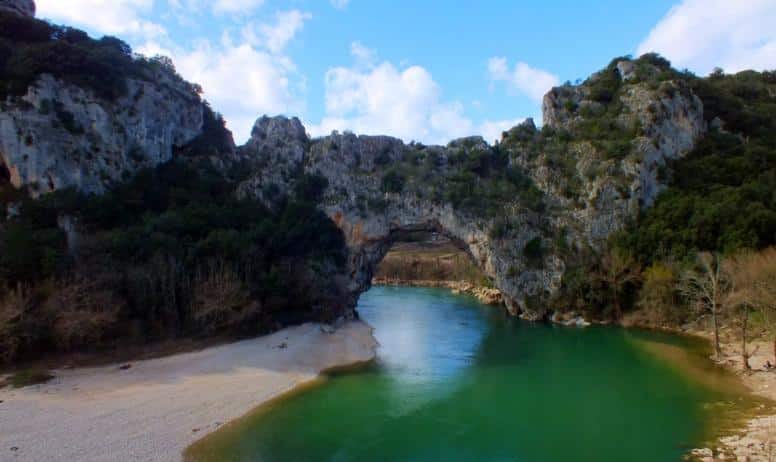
[563, 189]
[371, 218]
[585, 193]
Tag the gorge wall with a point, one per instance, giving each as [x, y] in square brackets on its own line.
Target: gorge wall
[523, 239]
[526, 209]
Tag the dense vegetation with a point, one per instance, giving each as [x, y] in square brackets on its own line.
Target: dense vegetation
[30, 47]
[722, 195]
[721, 200]
[169, 253]
[474, 178]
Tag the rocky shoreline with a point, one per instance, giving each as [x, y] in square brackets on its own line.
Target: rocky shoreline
[486, 295]
[755, 440]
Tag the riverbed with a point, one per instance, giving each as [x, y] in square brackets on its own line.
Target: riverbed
[456, 380]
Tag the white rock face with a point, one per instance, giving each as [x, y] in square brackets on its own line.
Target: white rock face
[59, 135]
[22, 7]
[278, 142]
[589, 193]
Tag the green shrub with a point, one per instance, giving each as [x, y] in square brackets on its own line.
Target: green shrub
[393, 182]
[534, 250]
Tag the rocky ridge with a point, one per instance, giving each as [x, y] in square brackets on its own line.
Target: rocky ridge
[669, 118]
[596, 162]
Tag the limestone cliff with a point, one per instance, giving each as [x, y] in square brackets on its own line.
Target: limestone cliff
[524, 209]
[62, 126]
[590, 185]
[58, 135]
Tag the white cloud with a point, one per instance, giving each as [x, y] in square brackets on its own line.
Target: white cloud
[533, 82]
[275, 37]
[247, 79]
[703, 34]
[240, 81]
[382, 99]
[236, 6]
[107, 17]
[339, 4]
[363, 55]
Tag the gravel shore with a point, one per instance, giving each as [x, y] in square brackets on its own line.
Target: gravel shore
[156, 408]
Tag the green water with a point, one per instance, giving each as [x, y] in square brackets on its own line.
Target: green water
[458, 381]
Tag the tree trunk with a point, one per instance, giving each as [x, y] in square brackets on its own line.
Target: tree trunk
[717, 349]
[744, 353]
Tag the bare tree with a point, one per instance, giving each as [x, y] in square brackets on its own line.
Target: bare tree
[707, 286]
[754, 284]
[617, 269]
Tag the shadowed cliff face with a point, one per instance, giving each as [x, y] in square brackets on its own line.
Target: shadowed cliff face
[524, 209]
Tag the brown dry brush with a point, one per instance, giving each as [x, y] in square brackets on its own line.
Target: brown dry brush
[417, 267]
[616, 270]
[220, 297]
[707, 287]
[753, 280]
[102, 305]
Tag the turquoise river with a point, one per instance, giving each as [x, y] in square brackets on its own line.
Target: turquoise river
[455, 380]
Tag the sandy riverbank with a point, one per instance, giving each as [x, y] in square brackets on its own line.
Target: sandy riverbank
[155, 409]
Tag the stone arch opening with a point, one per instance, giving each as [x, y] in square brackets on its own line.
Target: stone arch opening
[370, 243]
[428, 259]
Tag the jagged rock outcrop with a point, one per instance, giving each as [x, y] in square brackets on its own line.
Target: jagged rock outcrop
[59, 135]
[601, 180]
[277, 147]
[22, 7]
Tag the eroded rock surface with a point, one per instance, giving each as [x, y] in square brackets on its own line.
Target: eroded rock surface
[59, 135]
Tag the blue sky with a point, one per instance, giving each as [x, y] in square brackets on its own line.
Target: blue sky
[424, 70]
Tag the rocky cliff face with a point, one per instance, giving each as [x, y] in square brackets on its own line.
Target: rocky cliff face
[524, 209]
[59, 135]
[606, 161]
[587, 191]
[22, 7]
